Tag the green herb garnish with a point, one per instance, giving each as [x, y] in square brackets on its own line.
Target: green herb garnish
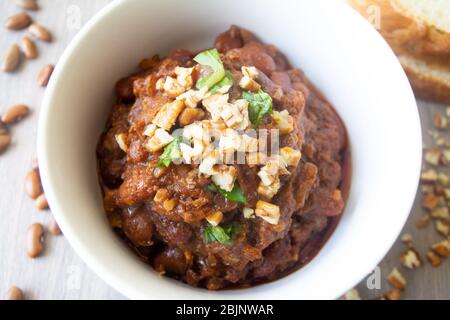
[226, 81]
[171, 152]
[210, 58]
[220, 234]
[259, 104]
[234, 195]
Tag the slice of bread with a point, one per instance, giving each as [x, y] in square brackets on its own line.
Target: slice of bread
[433, 13]
[419, 33]
[428, 82]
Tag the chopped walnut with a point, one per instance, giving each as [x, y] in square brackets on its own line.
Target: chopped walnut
[191, 98]
[433, 156]
[160, 139]
[290, 156]
[208, 164]
[268, 212]
[121, 140]
[270, 172]
[407, 238]
[445, 156]
[160, 84]
[250, 72]
[192, 154]
[150, 130]
[172, 87]
[429, 176]
[440, 121]
[190, 115]
[161, 195]
[443, 179]
[168, 114]
[284, 121]
[430, 201]
[230, 141]
[225, 177]
[215, 218]
[269, 191]
[231, 115]
[440, 213]
[442, 248]
[442, 227]
[184, 77]
[434, 259]
[396, 279]
[248, 144]
[170, 204]
[214, 105]
[249, 84]
[411, 259]
[447, 194]
[394, 294]
[248, 213]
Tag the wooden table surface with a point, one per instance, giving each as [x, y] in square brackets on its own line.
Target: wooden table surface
[60, 273]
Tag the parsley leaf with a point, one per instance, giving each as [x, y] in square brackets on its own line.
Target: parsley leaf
[220, 234]
[259, 104]
[171, 152]
[226, 81]
[210, 58]
[234, 195]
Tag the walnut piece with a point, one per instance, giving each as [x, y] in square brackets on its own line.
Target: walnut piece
[396, 279]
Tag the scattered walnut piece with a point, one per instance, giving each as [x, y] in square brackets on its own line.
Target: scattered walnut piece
[433, 156]
[434, 259]
[440, 121]
[443, 179]
[447, 194]
[423, 221]
[445, 159]
[442, 227]
[442, 248]
[407, 238]
[429, 176]
[394, 294]
[430, 201]
[411, 259]
[352, 294]
[440, 213]
[190, 115]
[396, 279]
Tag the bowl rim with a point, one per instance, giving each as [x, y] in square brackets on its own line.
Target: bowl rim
[80, 248]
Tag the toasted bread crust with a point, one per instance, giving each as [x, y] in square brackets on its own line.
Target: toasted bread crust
[427, 87]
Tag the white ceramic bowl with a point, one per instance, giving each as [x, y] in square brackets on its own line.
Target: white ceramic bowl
[339, 52]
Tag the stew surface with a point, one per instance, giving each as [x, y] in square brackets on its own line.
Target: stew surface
[186, 204]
